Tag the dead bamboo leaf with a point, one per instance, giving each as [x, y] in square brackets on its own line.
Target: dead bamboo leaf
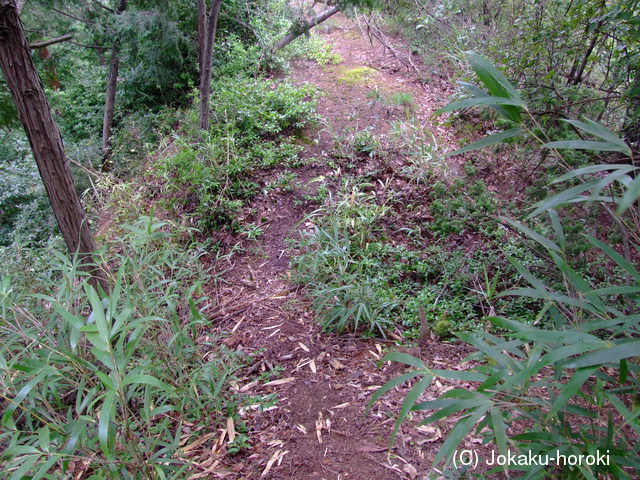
[272, 327]
[312, 366]
[335, 363]
[304, 347]
[303, 362]
[233, 330]
[248, 386]
[410, 470]
[220, 443]
[231, 429]
[274, 333]
[208, 471]
[197, 443]
[319, 425]
[274, 458]
[280, 381]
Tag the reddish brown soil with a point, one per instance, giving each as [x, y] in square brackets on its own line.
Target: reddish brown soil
[317, 429]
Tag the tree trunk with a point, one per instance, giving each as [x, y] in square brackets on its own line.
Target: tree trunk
[207, 25]
[110, 100]
[575, 77]
[202, 32]
[304, 26]
[44, 136]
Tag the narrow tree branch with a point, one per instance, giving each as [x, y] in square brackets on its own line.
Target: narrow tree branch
[304, 26]
[51, 41]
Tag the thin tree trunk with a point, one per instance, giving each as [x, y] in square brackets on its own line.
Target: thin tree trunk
[110, 100]
[110, 104]
[202, 32]
[578, 70]
[304, 27]
[44, 136]
[209, 28]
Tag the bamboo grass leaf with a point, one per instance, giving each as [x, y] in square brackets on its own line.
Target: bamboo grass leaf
[475, 102]
[594, 128]
[544, 241]
[625, 169]
[409, 402]
[586, 145]
[487, 141]
[629, 197]
[399, 380]
[460, 431]
[104, 424]
[612, 354]
[578, 379]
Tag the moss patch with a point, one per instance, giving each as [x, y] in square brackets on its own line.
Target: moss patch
[358, 76]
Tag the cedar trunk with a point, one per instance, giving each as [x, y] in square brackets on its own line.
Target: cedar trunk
[44, 136]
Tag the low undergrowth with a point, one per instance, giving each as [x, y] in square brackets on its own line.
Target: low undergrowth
[103, 385]
[563, 387]
[252, 129]
[360, 279]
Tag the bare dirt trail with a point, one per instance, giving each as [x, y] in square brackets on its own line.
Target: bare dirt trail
[317, 429]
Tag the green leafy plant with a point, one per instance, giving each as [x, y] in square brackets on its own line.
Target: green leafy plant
[103, 382]
[211, 178]
[322, 52]
[568, 388]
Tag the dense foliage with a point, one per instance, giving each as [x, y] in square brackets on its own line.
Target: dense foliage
[568, 388]
[549, 302]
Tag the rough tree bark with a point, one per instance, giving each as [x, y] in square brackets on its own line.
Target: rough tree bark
[110, 100]
[207, 25]
[303, 26]
[44, 136]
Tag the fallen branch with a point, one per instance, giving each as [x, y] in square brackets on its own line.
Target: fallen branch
[303, 26]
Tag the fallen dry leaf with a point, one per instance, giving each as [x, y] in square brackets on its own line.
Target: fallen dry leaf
[410, 470]
[231, 429]
[319, 425]
[280, 381]
[335, 363]
[197, 443]
[277, 456]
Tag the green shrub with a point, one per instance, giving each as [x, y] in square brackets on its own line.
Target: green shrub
[464, 206]
[24, 206]
[259, 108]
[565, 384]
[211, 178]
[107, 381]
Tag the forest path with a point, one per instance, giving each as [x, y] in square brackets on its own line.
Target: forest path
[316, 429]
